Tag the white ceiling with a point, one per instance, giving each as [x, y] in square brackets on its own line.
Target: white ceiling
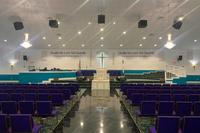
[74, 15]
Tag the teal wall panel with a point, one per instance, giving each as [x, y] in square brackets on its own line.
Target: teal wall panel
[35, 77]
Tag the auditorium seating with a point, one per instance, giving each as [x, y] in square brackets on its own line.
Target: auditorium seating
[176, 107]
[175, 124]
[16, 101]
[23, 123]
[18, 123]
[166, 124]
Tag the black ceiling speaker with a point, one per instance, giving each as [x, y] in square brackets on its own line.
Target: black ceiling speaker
[53, 23]
[180, 58]
[101, 19]
[18, 25]
[25, 57]
[177, 24]
[142, 24]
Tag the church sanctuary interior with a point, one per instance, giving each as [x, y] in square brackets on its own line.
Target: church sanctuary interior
[99, 66]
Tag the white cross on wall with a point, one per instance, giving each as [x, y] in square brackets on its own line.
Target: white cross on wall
[102, 57]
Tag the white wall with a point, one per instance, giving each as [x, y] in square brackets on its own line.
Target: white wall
[43, 58]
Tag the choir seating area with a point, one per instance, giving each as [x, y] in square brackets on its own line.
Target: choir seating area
[35, 108]
[163, 108]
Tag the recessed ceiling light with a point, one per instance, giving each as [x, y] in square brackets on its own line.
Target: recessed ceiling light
[144, 38]
[180, 18]
[64, 45]
[49, 45]
[82, 45]
[155, 45]
[82, 124]
[89, 23]
[102, 29]
[160, 38]
[140, 45]
[79, 32]
[59, 37]
[44, 38]
[102, 45]
[102, 38]
[195, 40]
[5, 40]
[121, 45]
[124, 32]
[114, 23]
[58, 22]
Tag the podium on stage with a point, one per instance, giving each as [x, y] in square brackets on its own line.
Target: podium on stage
[101, 83]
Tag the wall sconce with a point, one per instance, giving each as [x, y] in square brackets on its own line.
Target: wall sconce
[12, 64]
[194, 63]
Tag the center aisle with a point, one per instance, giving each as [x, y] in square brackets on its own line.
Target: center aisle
[98, 115]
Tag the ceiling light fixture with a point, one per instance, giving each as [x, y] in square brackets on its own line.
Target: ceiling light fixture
[140, 45]
[155, 45]
[144, 38]
[5, 40]
[121, 45]
[44, 38]
[180, 18]
[114, 23]
[102, 29]
[195, 40]
[102, 38]
[101, 45]
[82, 124]
[64, 45]
[160, 38]
[124, 32]
[26, 44]
[89, 23]
[79, 32]
[169, 44]
[49, 45]
[82, 45]
[59, 37]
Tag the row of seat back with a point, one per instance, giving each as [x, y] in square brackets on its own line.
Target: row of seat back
[18, 123]
[54, 97]
[174, 124]
[169, 108]
[38, 91]
[137, 98]
[155, 91]
[39, 108]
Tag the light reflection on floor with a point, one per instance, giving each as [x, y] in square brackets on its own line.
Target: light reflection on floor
[98, 114]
